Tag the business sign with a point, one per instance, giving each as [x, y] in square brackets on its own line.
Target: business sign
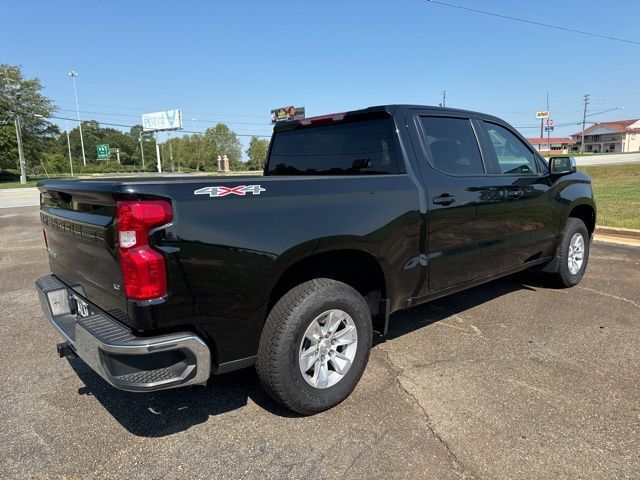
[542, 114]
[287, 113]
[158, 121]
[103, 150]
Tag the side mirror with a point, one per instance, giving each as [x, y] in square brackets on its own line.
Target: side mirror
[562, 165]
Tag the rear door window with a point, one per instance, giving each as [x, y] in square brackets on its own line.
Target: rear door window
[366, 147]
[452, 145]
[512, 155]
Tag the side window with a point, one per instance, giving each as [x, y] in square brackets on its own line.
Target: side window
[514, 158]
[452, 145]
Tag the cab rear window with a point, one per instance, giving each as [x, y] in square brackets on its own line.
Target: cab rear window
[366, 147]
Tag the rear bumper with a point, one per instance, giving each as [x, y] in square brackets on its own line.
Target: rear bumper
[126, 361]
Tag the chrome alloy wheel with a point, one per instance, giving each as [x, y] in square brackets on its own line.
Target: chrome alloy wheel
[576, 253]
[328, 348]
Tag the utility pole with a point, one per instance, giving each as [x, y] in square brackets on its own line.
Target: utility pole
[23, 174]
[73, 74]
[171, 155]
[16, 121]
[444, 99]
[141, 151]
[584, 121]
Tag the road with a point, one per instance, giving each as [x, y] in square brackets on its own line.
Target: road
[19, 197]
[508, 380]
[608, 159]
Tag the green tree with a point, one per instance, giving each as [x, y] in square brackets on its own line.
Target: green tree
[221, 140]
[24, 95]
[257, 153]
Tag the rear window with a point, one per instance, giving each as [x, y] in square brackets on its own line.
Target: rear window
[367, 147]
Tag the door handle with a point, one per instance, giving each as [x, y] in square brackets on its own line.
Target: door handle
[515, 193]
[444, 199]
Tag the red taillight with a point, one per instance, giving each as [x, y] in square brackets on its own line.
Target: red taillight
[143, 271]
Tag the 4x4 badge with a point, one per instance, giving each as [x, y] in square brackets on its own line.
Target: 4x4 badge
[221, 191]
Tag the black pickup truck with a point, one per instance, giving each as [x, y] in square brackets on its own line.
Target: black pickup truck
[161, 282]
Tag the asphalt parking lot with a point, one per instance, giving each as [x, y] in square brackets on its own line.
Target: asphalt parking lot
[508, 380]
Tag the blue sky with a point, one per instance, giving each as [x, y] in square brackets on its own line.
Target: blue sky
[234, 61]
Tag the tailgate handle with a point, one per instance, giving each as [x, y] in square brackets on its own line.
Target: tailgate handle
[444, 199]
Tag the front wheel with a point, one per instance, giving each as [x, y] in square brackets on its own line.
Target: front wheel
[572, 253]
[314, 346]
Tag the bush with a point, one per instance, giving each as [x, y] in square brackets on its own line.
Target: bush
[9, 175]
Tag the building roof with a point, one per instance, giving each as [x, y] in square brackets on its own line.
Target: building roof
[544, 141]
[619, 126]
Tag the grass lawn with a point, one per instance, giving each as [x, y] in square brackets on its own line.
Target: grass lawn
[617, 192]
[17, 184]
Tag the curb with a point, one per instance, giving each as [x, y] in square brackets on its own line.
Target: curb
[618, 232]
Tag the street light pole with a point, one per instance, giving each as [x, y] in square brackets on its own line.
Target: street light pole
[159, 164]
[73, 74]
[69, 147]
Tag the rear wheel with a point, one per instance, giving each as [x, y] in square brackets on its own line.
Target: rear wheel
[572, 253]
[315, 346]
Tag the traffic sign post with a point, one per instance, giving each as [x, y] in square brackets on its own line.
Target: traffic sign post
[549, 122]
[103, 151]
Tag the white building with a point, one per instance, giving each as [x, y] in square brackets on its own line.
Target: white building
[552, 145]
[619, 136]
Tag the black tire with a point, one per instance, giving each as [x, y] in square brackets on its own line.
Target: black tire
[283, 333]
[563, 277]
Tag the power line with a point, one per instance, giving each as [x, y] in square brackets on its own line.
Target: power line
[129, 115]
[129, 126]
[138, 109]
[532, 22]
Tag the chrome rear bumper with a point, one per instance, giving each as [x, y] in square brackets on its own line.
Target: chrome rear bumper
[126, 361]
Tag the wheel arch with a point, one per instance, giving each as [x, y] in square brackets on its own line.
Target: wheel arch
[585, 212]
[357, 268]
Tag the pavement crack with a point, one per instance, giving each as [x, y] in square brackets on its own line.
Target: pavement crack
[610, 295]
[399, 371]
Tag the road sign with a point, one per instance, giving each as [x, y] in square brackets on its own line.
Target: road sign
[549, 122]
[103, 150]
[548, 129]
[542, 114]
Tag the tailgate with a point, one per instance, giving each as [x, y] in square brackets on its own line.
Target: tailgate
[78, 221]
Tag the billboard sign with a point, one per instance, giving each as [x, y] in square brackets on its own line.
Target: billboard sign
[542, 115]
[287, 113]
[158, 121]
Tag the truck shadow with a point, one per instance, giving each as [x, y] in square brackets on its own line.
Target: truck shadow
[167, 412]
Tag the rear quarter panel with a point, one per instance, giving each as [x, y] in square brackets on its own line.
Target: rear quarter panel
[232, 249]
